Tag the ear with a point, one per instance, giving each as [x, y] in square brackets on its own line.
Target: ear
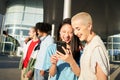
[90, 27]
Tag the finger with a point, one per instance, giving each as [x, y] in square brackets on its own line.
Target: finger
[64, 49]
[59, 53]
[54, 57]
[70, 52]
[53, 60]
[67, 51]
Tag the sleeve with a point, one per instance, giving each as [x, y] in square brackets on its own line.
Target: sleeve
[50, 51]
[100, 56]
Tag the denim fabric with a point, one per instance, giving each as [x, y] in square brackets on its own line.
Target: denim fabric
[37, 75]
[64, 71]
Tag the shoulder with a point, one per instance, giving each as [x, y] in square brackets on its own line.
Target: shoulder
[52, 46]
[11, 37]
[50, 38]
[97, 42]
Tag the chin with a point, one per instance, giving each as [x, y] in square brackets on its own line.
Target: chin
[67, 41]
[81, 39]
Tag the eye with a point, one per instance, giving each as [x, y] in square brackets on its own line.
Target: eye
[63, 31]
[77, 28]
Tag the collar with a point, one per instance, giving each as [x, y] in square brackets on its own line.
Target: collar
[43, 37]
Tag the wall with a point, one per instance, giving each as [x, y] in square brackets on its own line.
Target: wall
[1, 19]
[105, 15]
[2, 11]
[2, 6]
[53, 12]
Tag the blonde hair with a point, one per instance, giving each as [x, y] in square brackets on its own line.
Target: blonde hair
[83, 17]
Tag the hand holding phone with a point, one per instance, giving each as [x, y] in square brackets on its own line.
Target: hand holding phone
[61, 44]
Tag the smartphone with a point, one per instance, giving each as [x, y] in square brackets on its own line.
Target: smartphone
[61, 44]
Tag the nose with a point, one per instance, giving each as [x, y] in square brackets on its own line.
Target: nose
[66, 34]
[75, 32]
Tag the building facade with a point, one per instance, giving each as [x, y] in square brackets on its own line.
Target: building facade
[21, 15]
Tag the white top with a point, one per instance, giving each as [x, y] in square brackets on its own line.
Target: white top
[94, 52]
[45, 42]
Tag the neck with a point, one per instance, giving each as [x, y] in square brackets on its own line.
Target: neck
[44, 34]
[35, 38]
[90, 37]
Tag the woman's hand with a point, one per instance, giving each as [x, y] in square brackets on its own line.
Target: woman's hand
[65, 57]
[53, 59]
[68, 57]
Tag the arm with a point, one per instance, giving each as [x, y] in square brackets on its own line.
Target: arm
[69, 59]
[53, 68]
[75, 67]
[100, 63]
[100, 74]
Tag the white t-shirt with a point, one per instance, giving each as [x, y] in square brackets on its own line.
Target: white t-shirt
[94, 52]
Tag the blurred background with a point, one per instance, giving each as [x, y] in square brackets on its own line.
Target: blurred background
[17, 16]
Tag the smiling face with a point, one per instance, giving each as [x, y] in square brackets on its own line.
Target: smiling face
[82, 26]
[32, 32]
[66, 33]
[80, 30]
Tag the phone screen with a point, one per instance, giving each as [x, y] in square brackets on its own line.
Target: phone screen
[60, 45]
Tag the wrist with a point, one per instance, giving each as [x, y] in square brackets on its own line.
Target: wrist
[72, 62]
[54, 64]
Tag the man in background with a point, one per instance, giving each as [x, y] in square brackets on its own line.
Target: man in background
[14, 42]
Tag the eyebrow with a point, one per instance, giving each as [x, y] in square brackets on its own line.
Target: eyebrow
[77, 27]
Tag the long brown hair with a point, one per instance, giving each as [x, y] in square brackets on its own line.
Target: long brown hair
[75, 48]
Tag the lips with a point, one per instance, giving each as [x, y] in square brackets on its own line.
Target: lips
[79, 36]
[67, 40]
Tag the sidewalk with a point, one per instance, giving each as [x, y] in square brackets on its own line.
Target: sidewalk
[9, 68]
[115, 71]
